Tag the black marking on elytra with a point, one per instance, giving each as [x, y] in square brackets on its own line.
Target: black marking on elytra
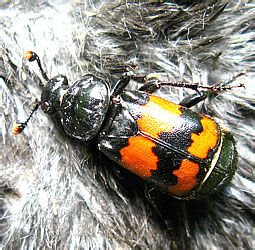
[168, 162]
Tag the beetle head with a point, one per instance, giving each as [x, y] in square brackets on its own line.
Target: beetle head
[51, 96]
[52, 92]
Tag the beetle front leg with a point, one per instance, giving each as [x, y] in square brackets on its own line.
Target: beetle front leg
[116, 90]
[112, 112]
[120, 85]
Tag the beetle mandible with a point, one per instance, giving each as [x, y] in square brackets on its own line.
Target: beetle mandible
[177, 150]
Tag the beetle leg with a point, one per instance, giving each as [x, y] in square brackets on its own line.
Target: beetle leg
[120, 85]
[112, 112]
[151, 86]
[113, 109]
[194, 99]
[153, 200]
[183, 214]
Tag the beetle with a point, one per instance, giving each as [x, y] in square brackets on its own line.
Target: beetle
[181, 152]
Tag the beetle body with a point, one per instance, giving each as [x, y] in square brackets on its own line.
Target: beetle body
[179, 151]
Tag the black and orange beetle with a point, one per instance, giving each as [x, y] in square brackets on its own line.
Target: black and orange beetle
[179, 151]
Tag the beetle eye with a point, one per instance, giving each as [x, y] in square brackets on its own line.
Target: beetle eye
[48, 107]
[45, 106]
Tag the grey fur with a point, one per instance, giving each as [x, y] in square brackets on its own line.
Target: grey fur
[53, 195]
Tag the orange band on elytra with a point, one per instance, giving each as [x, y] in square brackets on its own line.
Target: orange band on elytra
[206, 140]
[158, 115]
[187, 178]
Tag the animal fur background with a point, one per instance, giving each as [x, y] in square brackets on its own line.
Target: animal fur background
[57, 193]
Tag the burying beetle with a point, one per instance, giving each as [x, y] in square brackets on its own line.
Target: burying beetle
[177, 150]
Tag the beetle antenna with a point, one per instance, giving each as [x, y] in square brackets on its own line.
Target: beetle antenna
[32, 56]
[19, 126]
